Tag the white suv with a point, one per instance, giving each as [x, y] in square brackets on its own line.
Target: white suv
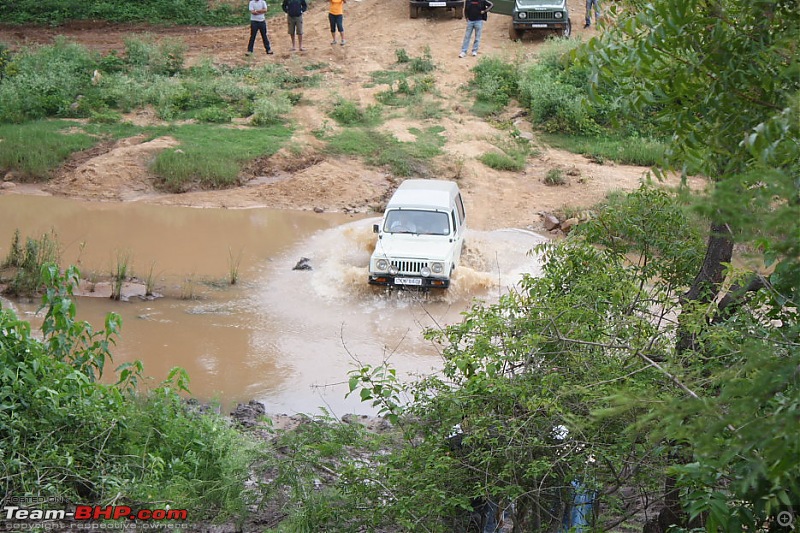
[420, 237]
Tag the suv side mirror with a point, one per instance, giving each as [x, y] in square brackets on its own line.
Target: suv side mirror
[375, 228]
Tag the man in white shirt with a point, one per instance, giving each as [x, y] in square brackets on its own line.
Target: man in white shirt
[258, 24]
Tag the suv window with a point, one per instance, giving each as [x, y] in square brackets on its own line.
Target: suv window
[460, 207]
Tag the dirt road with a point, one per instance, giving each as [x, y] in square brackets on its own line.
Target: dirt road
[375, 29]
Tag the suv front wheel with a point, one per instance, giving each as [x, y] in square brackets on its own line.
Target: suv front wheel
[567, 31]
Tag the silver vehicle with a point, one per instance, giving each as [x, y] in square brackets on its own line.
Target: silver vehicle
[535, 15]
[420, 237]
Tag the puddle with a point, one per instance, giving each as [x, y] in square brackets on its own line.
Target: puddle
[285, 337]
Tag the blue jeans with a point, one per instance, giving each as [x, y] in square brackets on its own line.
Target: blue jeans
[477, 27]
[589, 5]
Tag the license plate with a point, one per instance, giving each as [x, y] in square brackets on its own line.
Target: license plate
[538, 25]
[434, 4]
[407, 281]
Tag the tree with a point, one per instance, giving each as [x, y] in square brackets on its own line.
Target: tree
[725, 81]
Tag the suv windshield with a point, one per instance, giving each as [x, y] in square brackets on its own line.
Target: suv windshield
[414, 221]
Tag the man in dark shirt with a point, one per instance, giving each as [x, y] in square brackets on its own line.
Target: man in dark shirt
[475, 11]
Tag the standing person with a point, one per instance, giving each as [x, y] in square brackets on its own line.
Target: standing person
[336, 18]
[258, 24]
[476, 12]
[589, 5]
[294, 10]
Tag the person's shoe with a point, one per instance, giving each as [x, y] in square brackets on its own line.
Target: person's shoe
[586, 25]
[333, 41]
[474, 54]
[270, 52]
[248, 53]
[292, 49]
[342, 43]
[302, 49]
[462, 55]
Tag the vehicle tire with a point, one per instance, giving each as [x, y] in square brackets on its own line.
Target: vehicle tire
[458, 12]
[413, 11]
[513, 33]
[568, 29]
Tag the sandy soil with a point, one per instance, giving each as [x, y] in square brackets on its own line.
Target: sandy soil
[375, 29]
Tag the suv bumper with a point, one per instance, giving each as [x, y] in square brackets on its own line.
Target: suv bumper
[442, 3]
[539, 25]
[411, 281]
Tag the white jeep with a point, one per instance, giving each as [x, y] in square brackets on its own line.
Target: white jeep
[420, 236]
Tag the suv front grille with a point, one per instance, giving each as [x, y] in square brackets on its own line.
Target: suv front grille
[408, 267]
[539, 15]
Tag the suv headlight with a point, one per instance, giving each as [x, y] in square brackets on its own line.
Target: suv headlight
[382, 264]
[425, 271]
[523, 15]
[393, 270]
[558, 14]
[437, 268]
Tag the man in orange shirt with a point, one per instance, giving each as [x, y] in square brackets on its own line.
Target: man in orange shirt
[336, 18]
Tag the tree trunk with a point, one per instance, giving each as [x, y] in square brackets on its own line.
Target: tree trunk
[704, 290]
[706, 284]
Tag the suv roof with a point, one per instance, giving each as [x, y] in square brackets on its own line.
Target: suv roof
[424, 194]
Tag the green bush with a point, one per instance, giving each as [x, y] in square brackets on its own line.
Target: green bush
[67, 435]
[153, 11]
[163, 58]
[495, 82]
[46, 81]
[217, 115]
[349, 113]
[271, 110]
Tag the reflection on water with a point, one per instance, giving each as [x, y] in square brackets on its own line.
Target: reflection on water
[285, 337]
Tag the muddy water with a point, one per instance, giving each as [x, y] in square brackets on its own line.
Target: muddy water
[285, 337]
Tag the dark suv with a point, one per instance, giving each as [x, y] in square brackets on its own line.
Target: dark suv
[415, 6]
[535, 15]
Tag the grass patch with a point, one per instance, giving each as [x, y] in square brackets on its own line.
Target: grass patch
[555, 176]
[513, 157]
[36, 148]
[27, 261]
[349, 113]
[629, 151]
[408, 82]
[381, 149]
[212, 156]
[502, 161]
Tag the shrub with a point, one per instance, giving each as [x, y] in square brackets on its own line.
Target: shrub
[349, 113]
[271, 110]
[217, 115]
[555, 176]
[45, 81]
[159, 58]
[120, 444]
[495, 81]
[502, 161]
[422, 64]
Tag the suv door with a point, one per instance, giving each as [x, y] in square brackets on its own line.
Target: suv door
[504, 7]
